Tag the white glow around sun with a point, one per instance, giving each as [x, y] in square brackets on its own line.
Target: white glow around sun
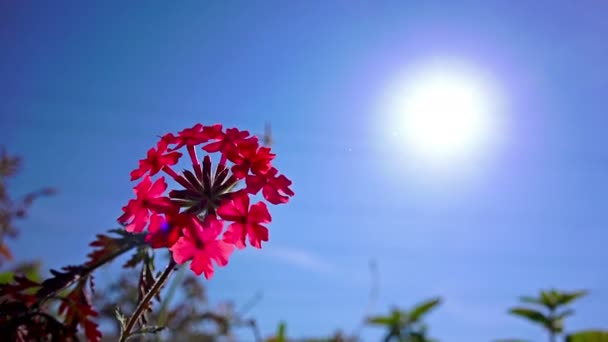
[443, 115]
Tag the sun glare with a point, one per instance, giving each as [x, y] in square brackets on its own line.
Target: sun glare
[443, 115]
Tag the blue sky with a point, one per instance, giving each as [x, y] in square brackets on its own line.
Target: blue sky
[85, 89]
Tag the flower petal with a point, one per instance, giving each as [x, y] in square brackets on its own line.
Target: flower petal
[201, 263]
[157, 188]
[271, 194]
[282, 183]
[255, 183]
[220, 252]
[183, 250]
[235, 234]
[212, 227]
[234, 209]
[214, 146]
[257, 233]
[259, 213]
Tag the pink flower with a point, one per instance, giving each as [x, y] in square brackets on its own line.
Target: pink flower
[213, 132]
[156, 160]
[200, 245]
[189, 136]
[228, 142]
[165, 230]
[196, 135]
[271, 186]
[148, 196]
[244, 159]
[185, 221]
[247, 222]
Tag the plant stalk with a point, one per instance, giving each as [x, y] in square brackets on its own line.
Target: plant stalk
[145, 302]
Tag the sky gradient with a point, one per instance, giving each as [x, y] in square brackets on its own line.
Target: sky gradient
[85, 90]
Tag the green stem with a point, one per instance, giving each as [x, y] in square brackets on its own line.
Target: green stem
[552, 334]
[145, 302]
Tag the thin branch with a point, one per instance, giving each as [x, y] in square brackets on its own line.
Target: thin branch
[143, 305]
[373, 295]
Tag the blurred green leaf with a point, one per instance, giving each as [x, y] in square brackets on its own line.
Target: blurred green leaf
[549, 299]
[282, 333]
[380, 320]
[588, 336]
[397, 318]
[531, 315]
[421, 309]
[6, 277]
[565, 298]
[30, 270]
[552, 299]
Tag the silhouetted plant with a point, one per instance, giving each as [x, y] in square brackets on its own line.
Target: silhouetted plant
[10, 208]
[188, 317]
[549, 311]
[281, 336]
[406, 326]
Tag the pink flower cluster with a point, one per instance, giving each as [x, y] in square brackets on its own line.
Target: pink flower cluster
[190, 221]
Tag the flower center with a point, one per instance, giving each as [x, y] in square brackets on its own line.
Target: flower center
[205, 190]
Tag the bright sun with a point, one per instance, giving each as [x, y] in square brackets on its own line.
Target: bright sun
[443, 115]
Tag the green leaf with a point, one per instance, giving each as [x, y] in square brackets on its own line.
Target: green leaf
[552, 299]
[549, 299]
[397, 318]
[6, 277]
[148, 329]
[565, 298]
[588, 336]
[380, 320]
[282, 334]
[122, 320]
[421, 309]
[531, 315]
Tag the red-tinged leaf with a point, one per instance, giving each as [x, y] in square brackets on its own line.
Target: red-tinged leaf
[77, 310]
[10, 309]
[18, 290]
[146, 281]
[5, 252]
[31, 326]
[137, 257]
[19, 284]
[61, 279]
[109, 247]
[91, 331]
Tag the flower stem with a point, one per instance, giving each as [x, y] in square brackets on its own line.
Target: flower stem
[196, 165]
[168, 170]
[145, 302]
